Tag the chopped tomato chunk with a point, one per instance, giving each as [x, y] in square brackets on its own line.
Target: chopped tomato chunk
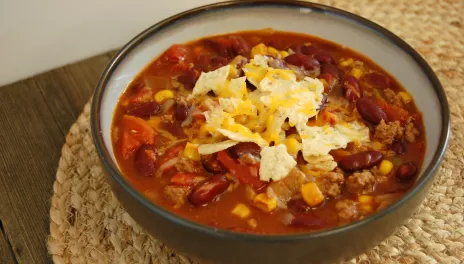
[136, 132]
[247, 174]
[186, 179]
[394, 113]
[177, 53]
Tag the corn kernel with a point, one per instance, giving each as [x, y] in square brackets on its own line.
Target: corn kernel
[385, 167]
[365, 208]
[293, 146]
[260, 49]
[405, 97]
[163, 95]
[204, 131]
[365, 199]
[295, 136]
[285, 126]
[345, 62]
[252, 223]
[356, 72]
[265, 203]
[312, 195]
[191, 151]
[241, 210]
[273, 52]
[284, 54]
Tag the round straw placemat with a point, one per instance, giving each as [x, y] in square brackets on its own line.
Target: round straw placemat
[88, 225]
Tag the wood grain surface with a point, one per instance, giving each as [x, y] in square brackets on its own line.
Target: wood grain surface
[35, 115]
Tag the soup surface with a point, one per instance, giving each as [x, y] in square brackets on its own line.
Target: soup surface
[268, 132]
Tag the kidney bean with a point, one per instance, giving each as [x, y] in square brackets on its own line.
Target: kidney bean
[352, 88]
[143, 109]
[324, 57]
[145, 160]
[206, 63]
[377, 80]
[211, 164]
[239, 46]
[305, 61]
[243, 148]
[298, 205]
[398, 147]
[331, 74]
[209, 189]
[360, 161]
[309, 50]
[189, 78]
[307, 220]
[370, 111]
[406, 171]
[181, 112]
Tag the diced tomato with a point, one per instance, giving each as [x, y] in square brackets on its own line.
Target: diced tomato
[143, 96]
[171, 153]
[135, 132]
[247, 174]
[180, 68]
[394, 113]
[186, 179]
[176, 53]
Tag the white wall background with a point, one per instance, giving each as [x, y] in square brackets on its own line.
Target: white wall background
[39, 35]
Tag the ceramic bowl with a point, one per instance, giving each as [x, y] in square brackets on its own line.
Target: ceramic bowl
[221, 246]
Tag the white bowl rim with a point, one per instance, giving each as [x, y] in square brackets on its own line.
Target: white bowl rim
[114, 172]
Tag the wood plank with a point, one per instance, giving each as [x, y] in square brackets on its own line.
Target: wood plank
[6, 253]
[36, 115]
[68, 89]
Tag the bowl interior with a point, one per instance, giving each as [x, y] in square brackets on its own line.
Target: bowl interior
[311, 21]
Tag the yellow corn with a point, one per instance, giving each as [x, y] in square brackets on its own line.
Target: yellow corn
[260, 49]
[356, 72]
[284, 54]
[285, 126]
[293, 146]
[365, 199]
[241, 210]
[345, 62]
[295, 136]
[385, 167]
[405, 97]
[252, 223]
[312, 195]
[265, 203]
[365, 207]
[273, 52]
[163, 95]
[191, 151]
[204, 131]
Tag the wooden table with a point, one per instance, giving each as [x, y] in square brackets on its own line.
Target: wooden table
[35, 116]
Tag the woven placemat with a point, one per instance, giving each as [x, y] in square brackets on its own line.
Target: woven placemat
[88, 225]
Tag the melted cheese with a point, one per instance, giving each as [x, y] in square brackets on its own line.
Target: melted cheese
[278, 97]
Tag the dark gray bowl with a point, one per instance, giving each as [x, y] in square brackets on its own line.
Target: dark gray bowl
[222, 246]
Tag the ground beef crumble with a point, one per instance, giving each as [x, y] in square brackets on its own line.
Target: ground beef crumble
[360, 182]
[410, 132]
[187, 165]
[347, 209]
[387, 132]
[330, 183]
[392, 98]
[176, 194]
